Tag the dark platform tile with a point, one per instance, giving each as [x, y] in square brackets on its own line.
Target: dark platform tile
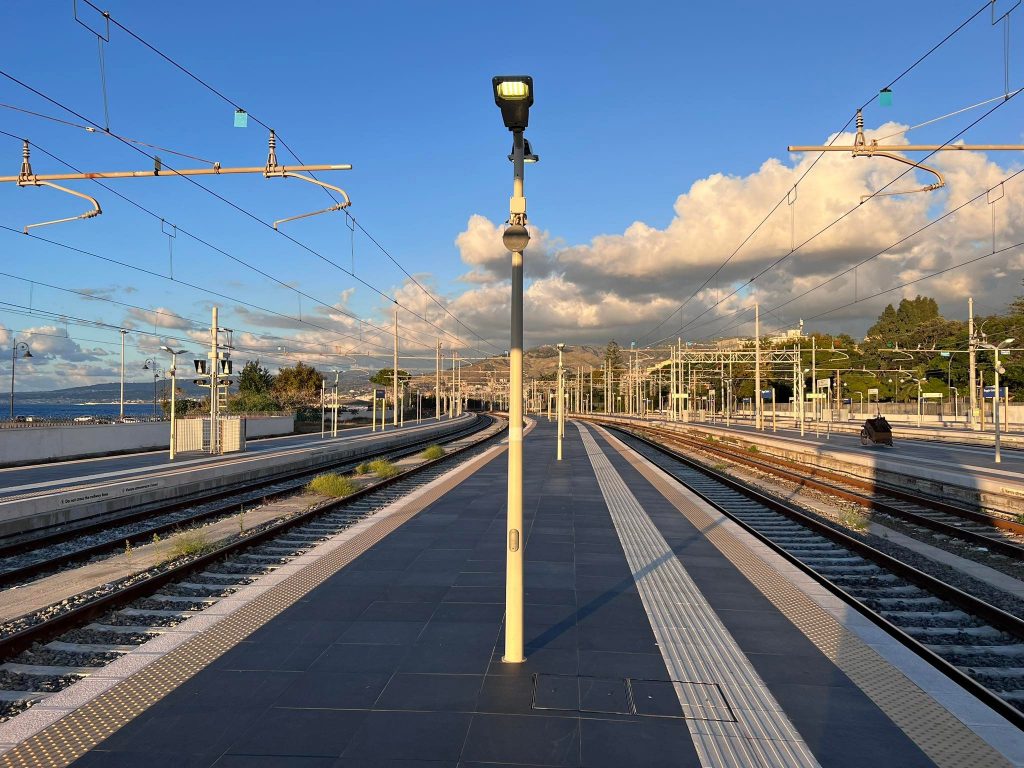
[98, 758]
[506, 694]
[417, 593]
[431, 692]
[464, 634]
[533, 740]
[383, 632]
[650, 665]
[559, 661]
[328, 607]
[273, 761]
[356, 657]
[253, 655]
[410, 736]
[548, 596]
[334, 690]
[310, 732]
[471, 612]
[648, 742]
[447, 659]
[376, 762]
[630, 639]
[475, 595]
[228, 689]
[389, 610]
[480, 579]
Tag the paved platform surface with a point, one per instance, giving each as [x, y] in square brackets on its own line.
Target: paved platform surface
[15, 481]
[652, 640]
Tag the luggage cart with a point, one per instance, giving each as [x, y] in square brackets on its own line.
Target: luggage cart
[877, 431]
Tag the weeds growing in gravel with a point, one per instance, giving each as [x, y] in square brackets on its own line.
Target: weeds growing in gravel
[383, 468]
[433, 452]
[189, 544]
[363, 468]
[753, 449]
[333, 485]
[852, 519]
[127, 550]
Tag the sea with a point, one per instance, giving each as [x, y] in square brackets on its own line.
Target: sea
[68, 411]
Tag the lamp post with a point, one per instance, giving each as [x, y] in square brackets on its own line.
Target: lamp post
[997, 369]
[150, 365]
[174, 386]
[16, 348]
[123, 334]
[560, 408]
[514, 96]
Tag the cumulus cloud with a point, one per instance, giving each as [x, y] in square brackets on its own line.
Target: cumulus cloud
[621, 285]
[160, 317]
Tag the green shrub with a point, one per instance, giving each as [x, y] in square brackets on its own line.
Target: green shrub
[332, 485]
[363, 468]
[383, 468]
[189, 544]
[433, 452]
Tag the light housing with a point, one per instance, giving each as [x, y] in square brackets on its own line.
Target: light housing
[528, 154]
[514, 95]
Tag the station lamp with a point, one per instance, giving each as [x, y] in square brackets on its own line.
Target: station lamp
[514, 95]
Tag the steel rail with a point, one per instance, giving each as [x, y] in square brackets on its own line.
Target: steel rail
[16, 642]
[994, 616]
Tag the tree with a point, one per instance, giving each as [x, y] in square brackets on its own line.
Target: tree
[385, 377]
[297, 386]
[255, 380]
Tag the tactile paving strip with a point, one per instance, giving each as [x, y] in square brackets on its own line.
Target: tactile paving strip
[938, 733]
[72, 736]
[696, 646]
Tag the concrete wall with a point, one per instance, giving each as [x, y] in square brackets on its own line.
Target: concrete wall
[233, 470]
[32, 445]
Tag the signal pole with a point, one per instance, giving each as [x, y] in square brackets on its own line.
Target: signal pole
[214, 389]
[972, 365]
[759, 409]
[394, 372]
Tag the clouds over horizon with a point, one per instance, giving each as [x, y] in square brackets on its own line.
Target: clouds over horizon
[621, 285]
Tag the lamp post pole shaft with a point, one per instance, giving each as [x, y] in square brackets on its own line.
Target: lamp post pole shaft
[14, 359]
[123, 332]
[174, 386]
[758, 403]
[394, 374]
[972, 365]
[514, 525]
[995, 406]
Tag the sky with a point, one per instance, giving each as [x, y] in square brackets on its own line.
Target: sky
[665, 204]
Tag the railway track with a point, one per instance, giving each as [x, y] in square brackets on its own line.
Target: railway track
[996, 533]
[48, 654]
[23, 559]
[978, 645]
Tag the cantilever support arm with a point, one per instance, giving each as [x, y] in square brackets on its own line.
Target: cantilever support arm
[869, 152]
[35, 182]
[278, 172]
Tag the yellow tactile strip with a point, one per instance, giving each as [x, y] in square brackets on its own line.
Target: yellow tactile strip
[72, 736]
[940, 735]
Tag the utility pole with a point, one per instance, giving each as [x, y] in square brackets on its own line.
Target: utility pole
[214, 386]
[758, 407]
[437, 384]
[394, 372]
[123, 334]
[972, 355]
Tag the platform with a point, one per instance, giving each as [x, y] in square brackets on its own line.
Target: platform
[659, 634]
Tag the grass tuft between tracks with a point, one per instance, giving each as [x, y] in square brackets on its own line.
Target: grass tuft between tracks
[433, 452]
[189, 544]
[333, 485]
[383, 468]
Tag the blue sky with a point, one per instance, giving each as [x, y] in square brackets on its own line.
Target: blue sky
[634, 106]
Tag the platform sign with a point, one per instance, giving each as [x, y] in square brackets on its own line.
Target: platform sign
[873, 391]
[379, 393]
[945, 354]
[815, 396]
[936, 395]
[824, 383]
[990, 393]
[847, 401]
[766, 394]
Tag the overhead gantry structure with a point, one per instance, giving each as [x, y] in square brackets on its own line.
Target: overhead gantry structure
[271, 170]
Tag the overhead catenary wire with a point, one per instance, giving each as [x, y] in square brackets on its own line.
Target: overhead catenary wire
[803, 176]
[189, 73]
[232, 257]
[843, 216]
[244, 211]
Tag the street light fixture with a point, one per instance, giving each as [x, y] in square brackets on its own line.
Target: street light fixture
[16, 348]
[174, 386]
[150, 365]
[514, 96]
